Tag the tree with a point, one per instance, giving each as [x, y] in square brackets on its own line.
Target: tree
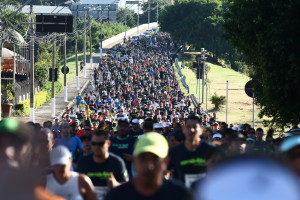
[267, 33]
[130, 17]
[153, 10]
[217, 101]
[200, 21]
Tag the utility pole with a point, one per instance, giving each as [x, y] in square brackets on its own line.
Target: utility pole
[65, 68]
[84, 48]
[125, 20]
[138, 19]
[53, 77]
[76, 55]
[227, 102]
[101, 38]
[206, 82]
[148, 14]
[32, 114]
[91, 56]
[203, 57]
[157, 11]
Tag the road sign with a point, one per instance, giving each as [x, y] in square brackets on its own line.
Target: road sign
[63, 70]
[101, 36]
[132, 2]
[249, 89]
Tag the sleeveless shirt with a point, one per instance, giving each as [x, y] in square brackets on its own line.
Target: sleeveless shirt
[68, 190]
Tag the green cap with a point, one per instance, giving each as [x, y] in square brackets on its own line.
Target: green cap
[152, 142]
[14, 128]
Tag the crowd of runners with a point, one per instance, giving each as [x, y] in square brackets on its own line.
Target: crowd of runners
[135, 135]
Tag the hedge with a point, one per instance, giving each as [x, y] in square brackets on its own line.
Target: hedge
[40, 98]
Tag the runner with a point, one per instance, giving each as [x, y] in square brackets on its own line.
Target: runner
[105, 169]
[188, 160]
[66, 183]
[150, 162]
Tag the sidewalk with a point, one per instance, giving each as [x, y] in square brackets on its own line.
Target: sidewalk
[43, 113]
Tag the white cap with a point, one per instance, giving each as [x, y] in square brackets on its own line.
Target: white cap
[60, 155]
[217, 135]
[166, 124]
[235, 128]
[157, 125]
[135, 121]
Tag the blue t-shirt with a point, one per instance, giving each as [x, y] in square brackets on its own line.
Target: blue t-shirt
[72, 144]
[78, 99]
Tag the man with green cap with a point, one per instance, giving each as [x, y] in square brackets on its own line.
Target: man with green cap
[150, 160]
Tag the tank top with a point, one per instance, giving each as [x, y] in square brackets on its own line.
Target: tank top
[68, 190]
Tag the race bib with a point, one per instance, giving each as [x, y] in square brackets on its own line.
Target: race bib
[101, 192]
[191, 178]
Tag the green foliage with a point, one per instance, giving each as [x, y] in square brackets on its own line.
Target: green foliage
[131, 18]
[6, 16]
[218, 100]
[107, 29]
[267, 33]
[41, 97]
[201, 21]
[153, 10]
[8, 92]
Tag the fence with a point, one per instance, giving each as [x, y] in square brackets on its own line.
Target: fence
[23, 90]
[182, 77]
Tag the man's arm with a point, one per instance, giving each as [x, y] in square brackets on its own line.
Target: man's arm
[86, 186]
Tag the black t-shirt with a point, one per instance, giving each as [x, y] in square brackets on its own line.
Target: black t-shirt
[123, 146]
[100, 172]
[189, 166]
[169, 191]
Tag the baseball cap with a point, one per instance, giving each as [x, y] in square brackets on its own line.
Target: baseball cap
[60, 155]
[153, 143]
[217, 135]
[14, 128]
[289, 143]
[135, 121]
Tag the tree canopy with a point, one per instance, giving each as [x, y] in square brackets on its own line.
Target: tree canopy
[267, 33]
[200, 21]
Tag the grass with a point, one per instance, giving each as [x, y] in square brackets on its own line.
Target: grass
[72, 67]
[239, 104]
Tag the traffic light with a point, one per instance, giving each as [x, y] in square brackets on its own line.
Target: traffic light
[200, 71]
[195, 65]
[55, 74]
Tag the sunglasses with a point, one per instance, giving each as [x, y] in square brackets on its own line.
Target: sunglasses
[98, 143]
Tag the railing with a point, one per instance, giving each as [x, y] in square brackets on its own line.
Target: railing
[182, 77]
[23, 90]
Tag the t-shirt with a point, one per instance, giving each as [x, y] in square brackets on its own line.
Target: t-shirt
[72, 143]
[120, 146]
[100, 172]
[169, 191]
[189, 166]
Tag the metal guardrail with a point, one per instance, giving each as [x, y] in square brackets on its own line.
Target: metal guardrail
[194, 100]
[182, 77]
